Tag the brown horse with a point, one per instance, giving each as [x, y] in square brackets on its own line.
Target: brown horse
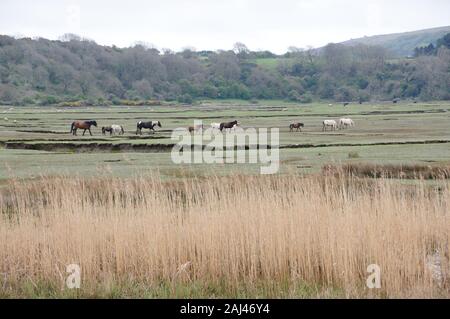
[195, 128]
[84, 125]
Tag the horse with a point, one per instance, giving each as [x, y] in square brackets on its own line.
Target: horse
[345, 122]
[195, 128]
[227, 125]
[327, 123]
[215, 126]
[113, 129]
[298, 126]
[84, 125]
[346, 103]
[150, 125]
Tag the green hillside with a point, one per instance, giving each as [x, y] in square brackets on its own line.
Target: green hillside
[403, 44]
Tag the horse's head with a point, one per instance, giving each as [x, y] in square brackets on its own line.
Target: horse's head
[103, 130]
[302, 125]
[94, 123]
[159, 124]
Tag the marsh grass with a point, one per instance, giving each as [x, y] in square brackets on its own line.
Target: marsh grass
[406, 171]
[237, 236]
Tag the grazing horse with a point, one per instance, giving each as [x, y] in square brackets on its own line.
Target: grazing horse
[345, 122]
[195, 128]
[298, 126]
[150, 125]
[331, 123]
[84, 125]
[113, 129]
[228, 125]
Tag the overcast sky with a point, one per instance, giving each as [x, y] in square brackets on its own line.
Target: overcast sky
[212, 24]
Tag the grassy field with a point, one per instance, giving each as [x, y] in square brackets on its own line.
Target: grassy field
[36, 140]
[141, 226]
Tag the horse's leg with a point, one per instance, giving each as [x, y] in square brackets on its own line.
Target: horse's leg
[84, 131]
[90, 131]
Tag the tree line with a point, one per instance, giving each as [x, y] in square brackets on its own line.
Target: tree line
[75, 70]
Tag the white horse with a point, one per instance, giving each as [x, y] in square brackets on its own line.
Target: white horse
[345, 122]
[117, 129]
[113, 130]
[215, 126]
[331, 123]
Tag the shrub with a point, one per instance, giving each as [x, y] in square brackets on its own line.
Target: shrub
[185, 98]
[306, 98]
[353, 155]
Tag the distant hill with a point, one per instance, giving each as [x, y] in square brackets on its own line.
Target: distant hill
[403, 44]
[75, 71]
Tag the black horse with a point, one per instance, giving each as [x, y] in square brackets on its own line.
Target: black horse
[150, 125]
[107, 129]
[85, 125]
[298, 126]
[228, 125]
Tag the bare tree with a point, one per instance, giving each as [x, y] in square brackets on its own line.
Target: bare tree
[240, 49]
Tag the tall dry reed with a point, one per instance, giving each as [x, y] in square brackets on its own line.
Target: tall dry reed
[226, 231]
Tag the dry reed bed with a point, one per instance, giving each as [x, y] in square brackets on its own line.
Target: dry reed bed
[404, 171]
[322, 230]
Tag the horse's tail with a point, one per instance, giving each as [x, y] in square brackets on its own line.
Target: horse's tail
[72, 127]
